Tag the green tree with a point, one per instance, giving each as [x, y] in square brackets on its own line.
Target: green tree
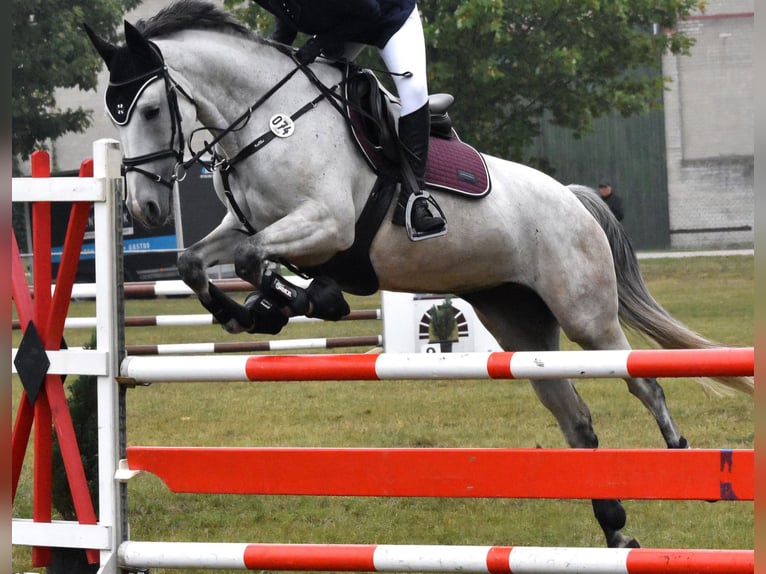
[515, 64]
[50, 51]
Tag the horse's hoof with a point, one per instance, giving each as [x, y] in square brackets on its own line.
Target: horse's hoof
[621, 541]
[682, 444]
[266, 316]
[233, 327]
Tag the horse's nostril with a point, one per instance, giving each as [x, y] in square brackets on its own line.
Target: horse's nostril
[153, 213]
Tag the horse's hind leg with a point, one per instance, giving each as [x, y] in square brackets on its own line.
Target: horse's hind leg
[521, 321]
[574, 419]
[593, 324]
[651, 395]
[589, 317]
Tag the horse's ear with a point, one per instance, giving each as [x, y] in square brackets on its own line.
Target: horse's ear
[136, 41]
[104, 48]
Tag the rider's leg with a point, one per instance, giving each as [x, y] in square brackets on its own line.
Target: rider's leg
[413, 134]
[406, 52]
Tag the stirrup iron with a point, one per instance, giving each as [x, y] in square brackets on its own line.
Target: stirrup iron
[413, 233]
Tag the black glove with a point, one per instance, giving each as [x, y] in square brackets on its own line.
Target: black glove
[309, 51]
[332, 49]
[283, 33]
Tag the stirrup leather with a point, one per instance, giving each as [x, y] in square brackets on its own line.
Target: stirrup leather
[413, 233]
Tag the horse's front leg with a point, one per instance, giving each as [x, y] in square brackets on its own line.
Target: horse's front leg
[307, 236]
[215, 248]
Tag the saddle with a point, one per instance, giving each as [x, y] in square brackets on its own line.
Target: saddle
[452, 166]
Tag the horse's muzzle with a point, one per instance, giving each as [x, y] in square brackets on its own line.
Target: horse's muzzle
[149, 203]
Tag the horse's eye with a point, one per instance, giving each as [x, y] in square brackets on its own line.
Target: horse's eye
[151, 113]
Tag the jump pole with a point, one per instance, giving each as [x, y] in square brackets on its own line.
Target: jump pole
[199, 319]
[645, 474]
[500, 365]
[255, 346]
[170, 288]
[432, 558]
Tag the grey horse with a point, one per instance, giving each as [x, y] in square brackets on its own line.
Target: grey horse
[533, 257]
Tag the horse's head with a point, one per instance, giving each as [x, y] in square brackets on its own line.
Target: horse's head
[148, 107]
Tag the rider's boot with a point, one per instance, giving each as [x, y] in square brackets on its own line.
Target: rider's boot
[423, 217]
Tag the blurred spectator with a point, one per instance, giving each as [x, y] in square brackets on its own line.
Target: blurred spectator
[613, 200]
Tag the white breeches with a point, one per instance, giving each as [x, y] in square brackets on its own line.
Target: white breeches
[405, 52]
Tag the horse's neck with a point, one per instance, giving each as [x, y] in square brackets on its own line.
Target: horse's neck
[225, 75]
[228, 74]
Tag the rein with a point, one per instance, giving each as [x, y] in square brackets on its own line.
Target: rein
[225, 166]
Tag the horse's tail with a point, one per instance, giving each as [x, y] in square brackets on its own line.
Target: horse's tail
[638, 309]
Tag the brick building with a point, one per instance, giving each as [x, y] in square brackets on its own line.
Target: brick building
[709, 130]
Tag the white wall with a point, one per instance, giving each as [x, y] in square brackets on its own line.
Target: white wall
[709, 122]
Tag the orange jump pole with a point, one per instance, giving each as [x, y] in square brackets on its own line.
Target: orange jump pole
[657, 474]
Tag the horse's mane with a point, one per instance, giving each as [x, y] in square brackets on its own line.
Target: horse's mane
[191, 15]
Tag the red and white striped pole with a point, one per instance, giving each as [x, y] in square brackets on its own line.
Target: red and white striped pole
[502, 365]
[427, 558]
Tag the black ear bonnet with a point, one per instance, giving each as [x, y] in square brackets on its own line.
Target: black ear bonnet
[131, 69]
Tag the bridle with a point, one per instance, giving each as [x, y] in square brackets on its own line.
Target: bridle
[172, 89]
[224, 165]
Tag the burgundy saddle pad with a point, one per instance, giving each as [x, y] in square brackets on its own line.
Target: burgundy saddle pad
[456, 166]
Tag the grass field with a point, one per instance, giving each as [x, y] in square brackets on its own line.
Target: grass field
[713, 295]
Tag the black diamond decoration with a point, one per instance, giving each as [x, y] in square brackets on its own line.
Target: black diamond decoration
[31, 362]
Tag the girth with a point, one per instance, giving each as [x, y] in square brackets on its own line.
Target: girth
[352, 268]
[453, 166]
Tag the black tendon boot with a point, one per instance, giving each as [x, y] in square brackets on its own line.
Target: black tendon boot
[421, 221]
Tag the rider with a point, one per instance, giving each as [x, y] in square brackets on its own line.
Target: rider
[343, 27]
